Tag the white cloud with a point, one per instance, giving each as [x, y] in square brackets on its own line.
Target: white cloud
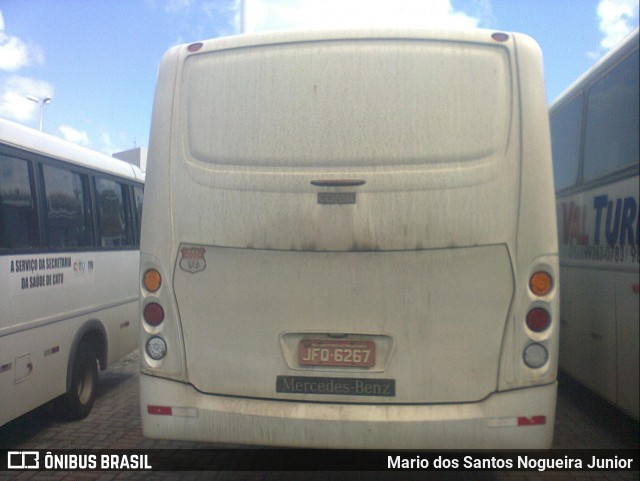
[173, 6]
[262, 15]
[617, 19]
[108, 146]
[218, 18]
[14, 91]
[73, 135]
[170, 6]
[15, 53]
[103, 144]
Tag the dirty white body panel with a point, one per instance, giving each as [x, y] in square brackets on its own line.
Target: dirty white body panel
[488, 424]
[254, 297]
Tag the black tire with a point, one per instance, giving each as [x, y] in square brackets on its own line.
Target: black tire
[78, 401]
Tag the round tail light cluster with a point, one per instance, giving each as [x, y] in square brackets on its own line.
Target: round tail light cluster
[538, 320]
[153, 315]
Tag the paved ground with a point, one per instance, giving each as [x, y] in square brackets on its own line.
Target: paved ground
[582, 421]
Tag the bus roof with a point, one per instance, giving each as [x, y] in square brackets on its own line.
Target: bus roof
[607, 61]
[26, 138]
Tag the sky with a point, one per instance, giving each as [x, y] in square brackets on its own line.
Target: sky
[97, 60]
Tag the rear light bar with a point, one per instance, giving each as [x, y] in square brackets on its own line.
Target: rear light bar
[519, 421]
[178, 411]
[532, 421]
[159, 410]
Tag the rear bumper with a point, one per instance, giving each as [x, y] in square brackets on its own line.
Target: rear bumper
[489, 424]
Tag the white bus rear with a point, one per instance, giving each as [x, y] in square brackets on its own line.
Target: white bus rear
[349, 241]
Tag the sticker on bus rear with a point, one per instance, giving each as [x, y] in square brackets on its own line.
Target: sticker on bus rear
[193, 259]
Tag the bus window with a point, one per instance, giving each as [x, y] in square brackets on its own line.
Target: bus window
[67, 214]
[565, 141]
[299, 114]
[137, 198]
[115, 228]
[18, 216]
[611, 134]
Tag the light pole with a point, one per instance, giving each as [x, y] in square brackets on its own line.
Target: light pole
[42, 102]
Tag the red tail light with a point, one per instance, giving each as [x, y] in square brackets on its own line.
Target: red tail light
[532, 421]
[160, 410]
[538, 319]
[153, 314]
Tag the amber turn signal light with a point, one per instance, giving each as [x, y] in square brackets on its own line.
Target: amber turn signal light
[152, 280]
[540, 283]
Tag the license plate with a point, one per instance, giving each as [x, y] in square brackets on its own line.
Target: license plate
[337, 352]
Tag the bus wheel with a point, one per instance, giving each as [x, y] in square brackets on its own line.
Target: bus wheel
[78, 401]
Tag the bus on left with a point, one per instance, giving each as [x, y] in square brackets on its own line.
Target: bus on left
[69, 254]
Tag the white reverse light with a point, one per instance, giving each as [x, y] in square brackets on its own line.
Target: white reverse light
[156, 348]
[535, 356]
